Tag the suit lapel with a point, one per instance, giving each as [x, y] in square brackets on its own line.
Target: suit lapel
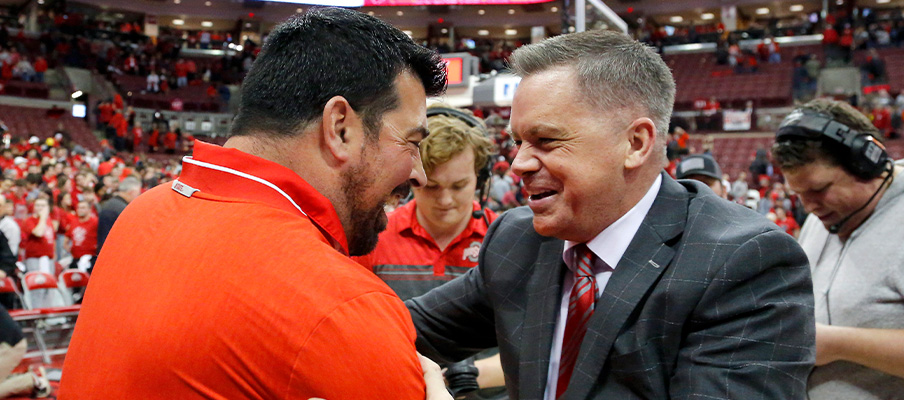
[640, 267]
[543, 301]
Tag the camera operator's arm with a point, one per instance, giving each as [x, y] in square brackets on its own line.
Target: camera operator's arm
[879, 349]
[490, 372]
[433, 377]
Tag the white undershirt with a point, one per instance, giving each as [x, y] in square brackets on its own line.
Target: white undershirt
[609, 246]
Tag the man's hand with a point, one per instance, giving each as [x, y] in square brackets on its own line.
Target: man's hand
[825, 344]
[874, 348]
[433, 377]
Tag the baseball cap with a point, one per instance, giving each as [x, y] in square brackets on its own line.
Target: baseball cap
[699, 164]
[33, 140]
[19, 160]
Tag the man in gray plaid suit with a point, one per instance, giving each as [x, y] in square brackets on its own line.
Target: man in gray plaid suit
[690, 296]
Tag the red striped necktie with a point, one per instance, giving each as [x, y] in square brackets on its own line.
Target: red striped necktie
[580, 308]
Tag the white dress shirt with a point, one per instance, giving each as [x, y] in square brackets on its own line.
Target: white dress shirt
[609, 246]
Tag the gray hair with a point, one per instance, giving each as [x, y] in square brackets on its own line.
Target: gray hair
[129, 184]
[614, 71]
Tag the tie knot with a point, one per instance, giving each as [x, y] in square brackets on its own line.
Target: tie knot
[583, 260]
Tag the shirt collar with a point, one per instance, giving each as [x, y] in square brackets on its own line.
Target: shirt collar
[232, 173]
[408, 222]
[610, 244]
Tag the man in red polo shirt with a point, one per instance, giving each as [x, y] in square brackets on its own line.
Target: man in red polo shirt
[235, 282]
[437, 236]
[82, 236]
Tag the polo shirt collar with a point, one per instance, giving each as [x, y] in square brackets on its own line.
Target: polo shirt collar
[231, 173]
[408, 222]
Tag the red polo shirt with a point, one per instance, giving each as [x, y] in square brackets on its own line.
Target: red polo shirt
[409, 260]
[233, 283]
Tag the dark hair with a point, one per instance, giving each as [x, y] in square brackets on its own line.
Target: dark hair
[330, 52]
[34, 179]
[790, 154]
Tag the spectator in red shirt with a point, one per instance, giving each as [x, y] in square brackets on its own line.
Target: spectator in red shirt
[830, 36]
[39, 240]
[81, 237]
[882, 120]
[181, 72]
[153, 140]
[785, 221]
[169, 142]
[137, 133]
[117, 130]
[117, 102]
[40, 67]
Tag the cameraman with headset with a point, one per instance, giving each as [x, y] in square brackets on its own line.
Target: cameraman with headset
[853, 238]
[437, 236]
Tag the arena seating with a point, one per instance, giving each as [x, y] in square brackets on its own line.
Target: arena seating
[25, 121]
[194, 98]
[26, 89]
[699, 77]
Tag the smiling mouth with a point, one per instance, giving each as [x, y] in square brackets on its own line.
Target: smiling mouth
[542, 195]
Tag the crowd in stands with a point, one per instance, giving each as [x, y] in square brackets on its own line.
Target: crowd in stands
[117, 51]
[54, 190]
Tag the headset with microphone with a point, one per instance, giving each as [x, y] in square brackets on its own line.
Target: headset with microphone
[483, 176]
[865, 157]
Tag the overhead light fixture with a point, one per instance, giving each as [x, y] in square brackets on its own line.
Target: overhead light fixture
[511, 32]
[511, 11]
[839, 2]
[247, 24]
[676, 19]
[371, 13]
[481, 12]
[299, 10]
[707, 16]
[178, 22]
[799, 7]
[206, 24]
[177, 1]
[40, 1]
[207, 3]
[399, 13]
[554, 9]
[483, 32]
[77, 94]
[444, 30]
[762, 11]
[882, 1]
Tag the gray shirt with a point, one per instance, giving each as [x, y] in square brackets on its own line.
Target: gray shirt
[859, 284]
[13, 233]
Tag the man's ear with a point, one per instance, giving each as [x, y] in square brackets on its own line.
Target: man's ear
[642, 140]
[341, 128]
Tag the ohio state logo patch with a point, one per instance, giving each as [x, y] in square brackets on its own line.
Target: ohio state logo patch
[471, 252]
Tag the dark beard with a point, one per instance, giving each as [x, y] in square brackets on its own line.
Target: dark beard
[366, 223]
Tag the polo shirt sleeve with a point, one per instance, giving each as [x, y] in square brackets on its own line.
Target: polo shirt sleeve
[363, 349]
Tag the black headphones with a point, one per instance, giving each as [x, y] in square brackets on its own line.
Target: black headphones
[866, 158]
[483, 176]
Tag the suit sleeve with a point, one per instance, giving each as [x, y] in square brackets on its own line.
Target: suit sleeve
[753, 332]
[455, 321]
[364, 349]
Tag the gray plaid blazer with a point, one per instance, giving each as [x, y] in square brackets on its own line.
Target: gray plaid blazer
[710, 301]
